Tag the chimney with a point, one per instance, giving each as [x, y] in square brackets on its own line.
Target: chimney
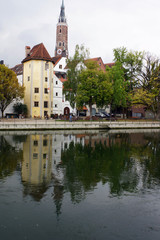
[27, 50]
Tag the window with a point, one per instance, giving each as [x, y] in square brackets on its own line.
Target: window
[55, 105]
[36, 90]
[45, 142]
[28, 78]
[60, 66]
[56, 93]
[36, 104]
[35, 143]
[44, 155]
[46, 79]
[45, 104]
[46, 90]
[56, 82]
[60, 30]
[35, 155]
[46, 66]
[63, 43]
[59, 44]
[44, 166]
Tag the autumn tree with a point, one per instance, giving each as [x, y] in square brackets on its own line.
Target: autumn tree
[75, 65]
[94, 87]
[10, 89]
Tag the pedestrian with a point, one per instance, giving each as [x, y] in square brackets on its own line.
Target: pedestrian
[70, 118]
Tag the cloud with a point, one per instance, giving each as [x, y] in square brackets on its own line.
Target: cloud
[100, 25]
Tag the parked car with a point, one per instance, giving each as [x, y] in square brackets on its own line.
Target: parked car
[100, 115]
[107, 115]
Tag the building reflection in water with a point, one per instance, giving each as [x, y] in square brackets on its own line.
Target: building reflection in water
[76, 163]
[37, 165]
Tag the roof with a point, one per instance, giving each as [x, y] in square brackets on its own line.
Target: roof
[38, 52]
[109, 64]
[63, 79]
[55, 60]
[62, 17]
[99, 62]
[18, 69]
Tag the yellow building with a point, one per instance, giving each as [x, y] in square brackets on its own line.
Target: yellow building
[38, 81]
[37, 159]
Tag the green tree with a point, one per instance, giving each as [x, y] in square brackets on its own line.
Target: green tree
[9, 87]
[131, 63]
[147, 92]
[94, 87]
[124, 75]
[20, 108]
[120, 86]
[75, 65]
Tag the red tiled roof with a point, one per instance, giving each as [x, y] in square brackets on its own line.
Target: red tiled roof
[18, 69]
[55, 60]
[62, 79]
[99, 62]
[38, 52]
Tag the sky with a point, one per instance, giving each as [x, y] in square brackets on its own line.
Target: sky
[101, 25]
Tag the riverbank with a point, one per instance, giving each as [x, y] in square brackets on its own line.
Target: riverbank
[29, 124]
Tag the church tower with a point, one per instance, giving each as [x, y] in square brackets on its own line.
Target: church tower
[62, 34]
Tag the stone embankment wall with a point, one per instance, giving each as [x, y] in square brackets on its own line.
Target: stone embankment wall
[57, 125]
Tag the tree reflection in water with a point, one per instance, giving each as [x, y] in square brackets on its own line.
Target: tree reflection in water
[10, 157]
[126, 163]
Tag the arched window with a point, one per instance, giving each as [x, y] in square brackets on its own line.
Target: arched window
[59, 44]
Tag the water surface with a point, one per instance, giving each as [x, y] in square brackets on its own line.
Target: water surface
[80, 185]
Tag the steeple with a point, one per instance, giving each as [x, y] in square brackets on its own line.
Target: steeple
[61, 48]
[62, 17]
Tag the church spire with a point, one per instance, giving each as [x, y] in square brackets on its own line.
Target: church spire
[61, 48]
[62, 17]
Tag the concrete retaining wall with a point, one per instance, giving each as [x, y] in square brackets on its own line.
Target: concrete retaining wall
[56, 125]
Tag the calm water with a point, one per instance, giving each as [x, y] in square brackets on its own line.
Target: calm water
[80, 185]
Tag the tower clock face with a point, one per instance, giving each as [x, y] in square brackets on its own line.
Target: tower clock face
[59, 51]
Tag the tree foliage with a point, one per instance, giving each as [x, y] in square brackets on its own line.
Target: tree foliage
[147, 92]
[9, 87]
[94, 87]
[75, 65]
[20, 108]
[119, 87]
[124, 75]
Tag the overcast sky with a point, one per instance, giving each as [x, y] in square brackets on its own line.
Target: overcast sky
[101, 25]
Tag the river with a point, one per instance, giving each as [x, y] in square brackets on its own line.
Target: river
[90, 185]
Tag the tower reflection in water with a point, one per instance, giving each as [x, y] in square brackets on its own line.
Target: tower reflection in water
[37, 165]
